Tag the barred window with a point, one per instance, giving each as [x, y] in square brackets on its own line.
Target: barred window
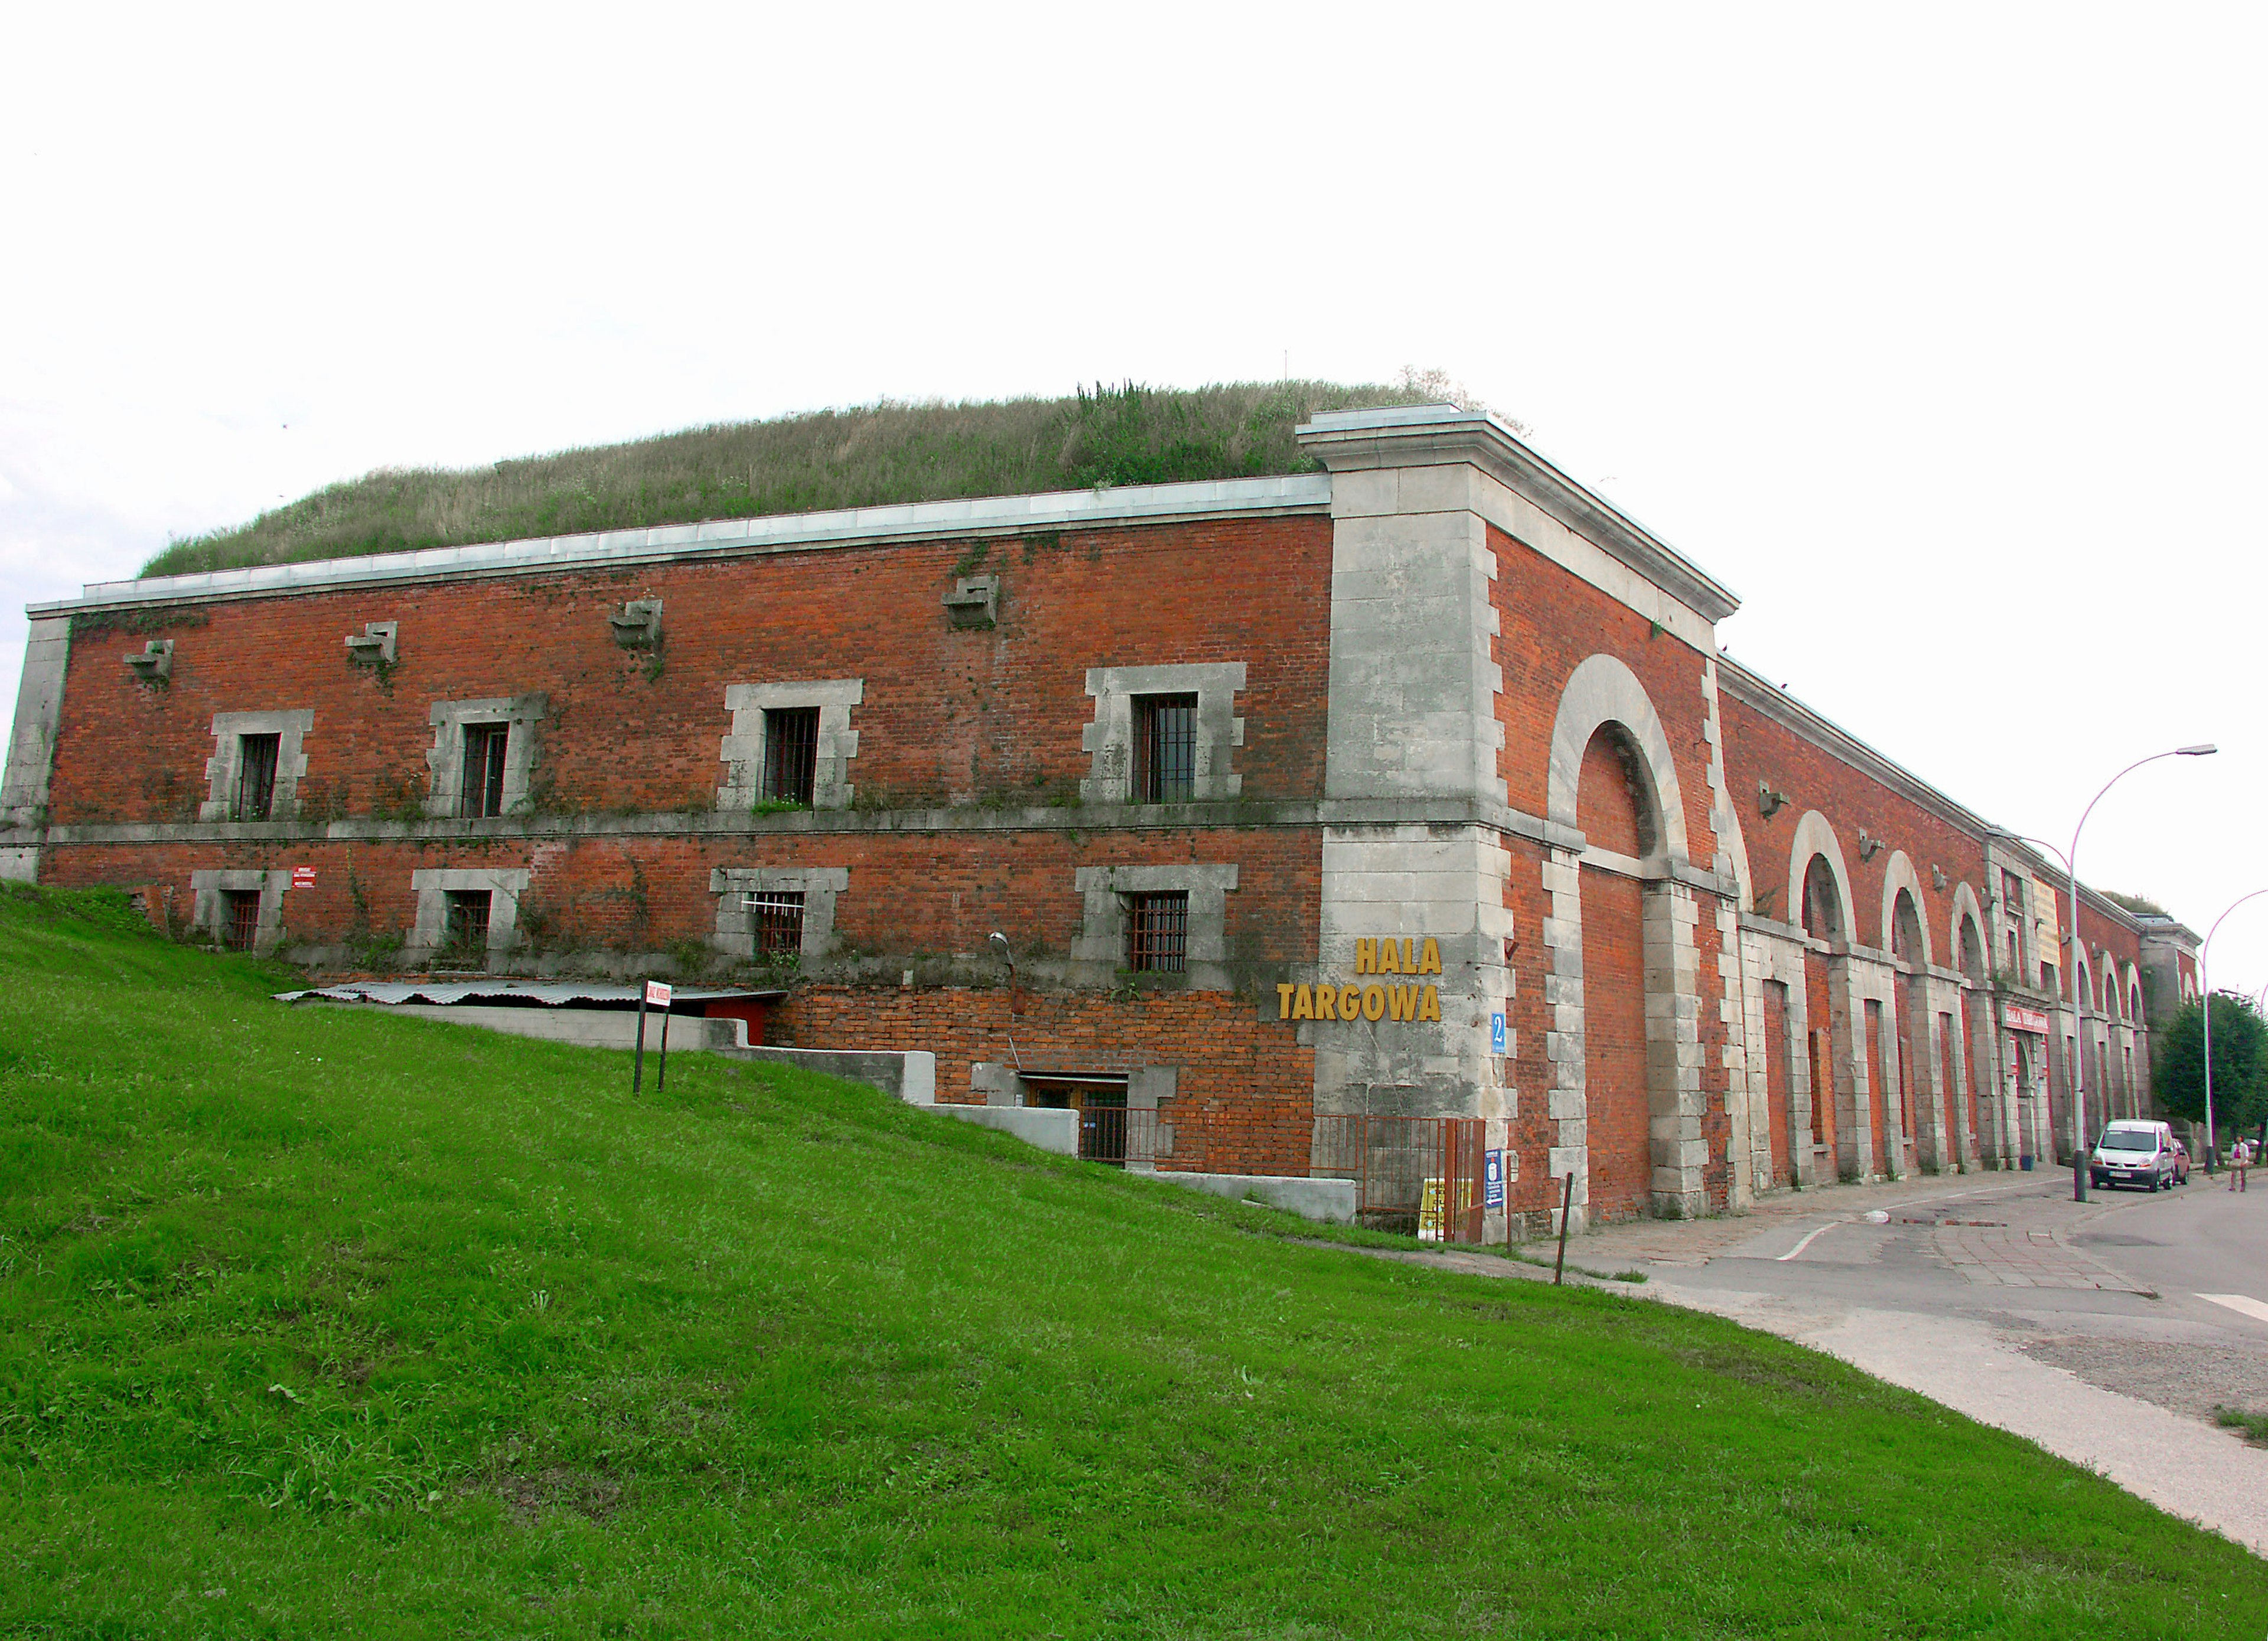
[255, 776]
[468, 928]
[1165, 748]
[774, 923]
[483, 794]
[239, 918]
[1158, 932]
[791, 754]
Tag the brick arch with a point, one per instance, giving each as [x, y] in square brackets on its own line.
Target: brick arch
[2132, 987]
[1814, 835]
[1967, 910]
[1900, 874]
[1603, 690]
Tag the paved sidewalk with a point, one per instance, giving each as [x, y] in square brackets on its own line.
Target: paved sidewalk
[2014, 1257]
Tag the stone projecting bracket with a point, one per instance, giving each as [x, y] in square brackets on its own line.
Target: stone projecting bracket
[974, 603]
[374, 644]
[637, 624]
[154, 664]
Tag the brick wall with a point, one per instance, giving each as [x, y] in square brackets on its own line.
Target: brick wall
[949, 715]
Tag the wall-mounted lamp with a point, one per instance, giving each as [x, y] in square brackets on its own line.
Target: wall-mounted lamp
[999, 943]
[1868, 846]
[1770, 802]
[1936, 878]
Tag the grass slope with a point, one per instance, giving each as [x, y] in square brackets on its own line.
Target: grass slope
[317, 1322]
[871, 456]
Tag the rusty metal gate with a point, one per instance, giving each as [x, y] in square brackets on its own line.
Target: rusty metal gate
[1422, 1176]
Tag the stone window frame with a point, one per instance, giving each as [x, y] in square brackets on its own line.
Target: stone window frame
[290, 727]
[208, 905]
[742, 751]
[429, 932]
[446, 759]
[820, 886]
[1108, 740]
[1101, 948]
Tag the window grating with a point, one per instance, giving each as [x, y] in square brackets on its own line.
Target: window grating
[1165, 748]
[467, 929]
[485, 745]
[242, 913]
[1158, 932]
[791, 754]
[255, 776]
[775, 924]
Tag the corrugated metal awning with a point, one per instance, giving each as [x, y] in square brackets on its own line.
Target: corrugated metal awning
[549, 993]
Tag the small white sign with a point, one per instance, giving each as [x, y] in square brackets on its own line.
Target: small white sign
[657, 993]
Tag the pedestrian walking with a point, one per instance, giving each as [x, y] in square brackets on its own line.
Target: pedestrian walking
[2239, 1159]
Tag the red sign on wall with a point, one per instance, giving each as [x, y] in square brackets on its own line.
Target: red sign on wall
[302, 877]
[2021, 1019]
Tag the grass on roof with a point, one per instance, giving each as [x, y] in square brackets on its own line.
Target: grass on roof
[316, 1322]
[874, 455]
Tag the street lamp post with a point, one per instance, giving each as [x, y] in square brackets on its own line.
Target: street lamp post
[2205, 985]
[2079, 1042]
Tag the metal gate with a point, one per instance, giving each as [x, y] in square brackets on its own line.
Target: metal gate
[1420, 1175]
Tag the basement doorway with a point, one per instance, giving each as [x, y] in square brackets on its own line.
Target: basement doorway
[1100, 1099]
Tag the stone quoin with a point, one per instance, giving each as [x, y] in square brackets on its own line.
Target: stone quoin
[1413, 788]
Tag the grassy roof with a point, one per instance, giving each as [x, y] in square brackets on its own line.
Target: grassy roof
[873, 455]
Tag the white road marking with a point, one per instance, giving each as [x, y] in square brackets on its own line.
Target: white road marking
[2244, 1304]
[1806, 1243]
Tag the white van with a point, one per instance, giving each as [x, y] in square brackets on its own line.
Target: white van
[2133, 1153]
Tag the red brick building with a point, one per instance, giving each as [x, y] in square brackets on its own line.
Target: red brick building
[1417, 787]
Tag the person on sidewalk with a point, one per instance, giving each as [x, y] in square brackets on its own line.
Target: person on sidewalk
[2239, 1159]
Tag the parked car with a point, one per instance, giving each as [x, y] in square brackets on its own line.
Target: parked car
[2134, 1152]
[2181, 1163]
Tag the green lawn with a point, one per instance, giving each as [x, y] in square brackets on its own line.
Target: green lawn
[325, 1323]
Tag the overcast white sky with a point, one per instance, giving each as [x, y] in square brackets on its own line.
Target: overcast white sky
[1934, 331]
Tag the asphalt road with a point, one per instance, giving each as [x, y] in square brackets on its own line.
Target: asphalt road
[2108, 1332]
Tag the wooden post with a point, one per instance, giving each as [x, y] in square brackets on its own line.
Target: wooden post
[661, 1066]
[637, 1065]
[1566, 1202]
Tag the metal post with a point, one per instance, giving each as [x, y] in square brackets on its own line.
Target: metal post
[1566, 1204]
[2205, 985]
[661, 1065]
[637, 1065]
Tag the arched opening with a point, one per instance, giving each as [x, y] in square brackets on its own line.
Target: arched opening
[1895, 1125]
[1614, 808]
[1823, 919]
[1983, 1127]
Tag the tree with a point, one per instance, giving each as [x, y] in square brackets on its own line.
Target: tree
[2240, 1065]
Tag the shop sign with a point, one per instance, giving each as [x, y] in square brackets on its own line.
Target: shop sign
[2021, 1018]
[1403, 999]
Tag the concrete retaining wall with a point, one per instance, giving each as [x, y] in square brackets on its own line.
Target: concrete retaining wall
[1329, 1201]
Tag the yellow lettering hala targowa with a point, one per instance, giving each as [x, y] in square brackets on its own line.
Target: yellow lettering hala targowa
[1326, 1002]
[1350, 1003]
[1429, 961]
[1365, 957]
[1283, 999]
[1389, 958]
[1431, 1008]
[1401, 1003]
[1373, 1002]
[1303, 1003]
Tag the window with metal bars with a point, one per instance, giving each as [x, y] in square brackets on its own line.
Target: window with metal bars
[1158, 932]
[485, 745]
[239, 918]
[791, 754]
[255, 776]
[1165, 748]
[466, 931]
[775, 924]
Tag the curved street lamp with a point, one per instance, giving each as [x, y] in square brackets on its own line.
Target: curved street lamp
[2079, 1146]
[2205, 984]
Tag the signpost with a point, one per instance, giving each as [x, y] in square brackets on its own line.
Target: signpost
[657, 994]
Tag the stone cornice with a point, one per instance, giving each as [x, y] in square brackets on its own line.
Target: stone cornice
[955, 520]
[1411, 436]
